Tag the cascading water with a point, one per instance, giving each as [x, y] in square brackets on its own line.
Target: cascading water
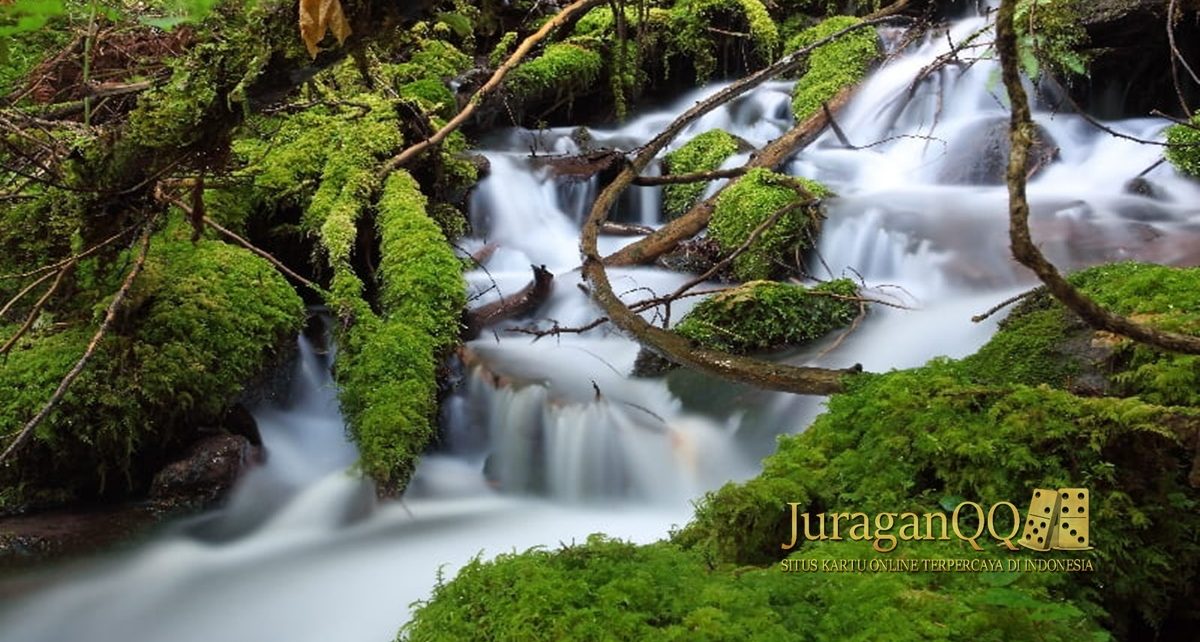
[548, 441]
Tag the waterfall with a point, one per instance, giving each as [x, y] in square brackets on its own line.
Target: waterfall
[547, 441]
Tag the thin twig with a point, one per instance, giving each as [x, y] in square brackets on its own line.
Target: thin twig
[36, 310]
[978, 318]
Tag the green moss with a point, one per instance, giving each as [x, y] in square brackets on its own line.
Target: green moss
[432, 95]
[833, 66]
[689, 35]
[1051, 32]
[611, 590]
[387, 368]
[765, 315]
[421, 277]
[504, 48]
[202, 320]
[563, 69]
[703, 153]
[752, 199]
[1042, 343]
[1184, 152]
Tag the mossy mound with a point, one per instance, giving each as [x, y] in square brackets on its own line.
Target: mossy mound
[1052, 33]
[832, 67]
[1041, 342]
[1185, 151]
[703, 153]
[765, 315]
[745, 205]
[611, 590]
[200, 322]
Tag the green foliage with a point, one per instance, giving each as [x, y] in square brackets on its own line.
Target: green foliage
[611, 590]
[201, 321]
[765, 315]
[833, 66]
[1184, 152]
[504, 48]
[431, 95]
[433, 59]
[750, 201]
[689, 36]
[1051, 32]
[563, 69]
[703, 153]
[30, 32]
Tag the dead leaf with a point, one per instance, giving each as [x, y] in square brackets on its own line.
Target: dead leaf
[318, 17]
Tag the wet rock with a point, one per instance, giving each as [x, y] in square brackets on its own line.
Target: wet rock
[695, 256]
[649, 364]
[979, 154]
[29, 540]
[1141, 187]
[206, 473]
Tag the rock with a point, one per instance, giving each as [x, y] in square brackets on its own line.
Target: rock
[1141, 187]
[649, 365]
[695, 256]
[979, 153]
[207, 472]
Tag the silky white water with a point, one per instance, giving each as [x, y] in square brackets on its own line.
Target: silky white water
[545, 442]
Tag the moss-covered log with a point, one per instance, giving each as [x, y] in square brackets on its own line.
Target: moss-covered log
[703, 153]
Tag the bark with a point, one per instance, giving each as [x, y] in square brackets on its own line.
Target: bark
[527, 301]
[1023, 247]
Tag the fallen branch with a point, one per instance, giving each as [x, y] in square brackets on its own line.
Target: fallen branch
[528, 300]
[694, 177]
[979, 318]
[1024, 250]
[625, 229]
[109, 316]
[493, 83]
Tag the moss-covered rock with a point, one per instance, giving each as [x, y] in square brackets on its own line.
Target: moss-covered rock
[1052, 32]
[750, 201]
[201, 321]
[833, 66]
[703, 153]
[765, 315]
[1184, 153]
[605, 590]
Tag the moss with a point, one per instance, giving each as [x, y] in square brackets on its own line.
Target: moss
[689, 35]
[563, 69]
[421, 278]
[833, 66]
[503, 49]
[202, 320]
[909, 440]
[1184, 152]
[387, 369]
[703, 153]
[1051, 32]
[1043, 343]
[606, 590]
[764, 315]
[431, 95]
[744, 205]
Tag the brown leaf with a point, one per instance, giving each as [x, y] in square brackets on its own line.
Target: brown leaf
[318, 17]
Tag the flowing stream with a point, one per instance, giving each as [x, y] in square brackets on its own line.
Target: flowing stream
[546, 442]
